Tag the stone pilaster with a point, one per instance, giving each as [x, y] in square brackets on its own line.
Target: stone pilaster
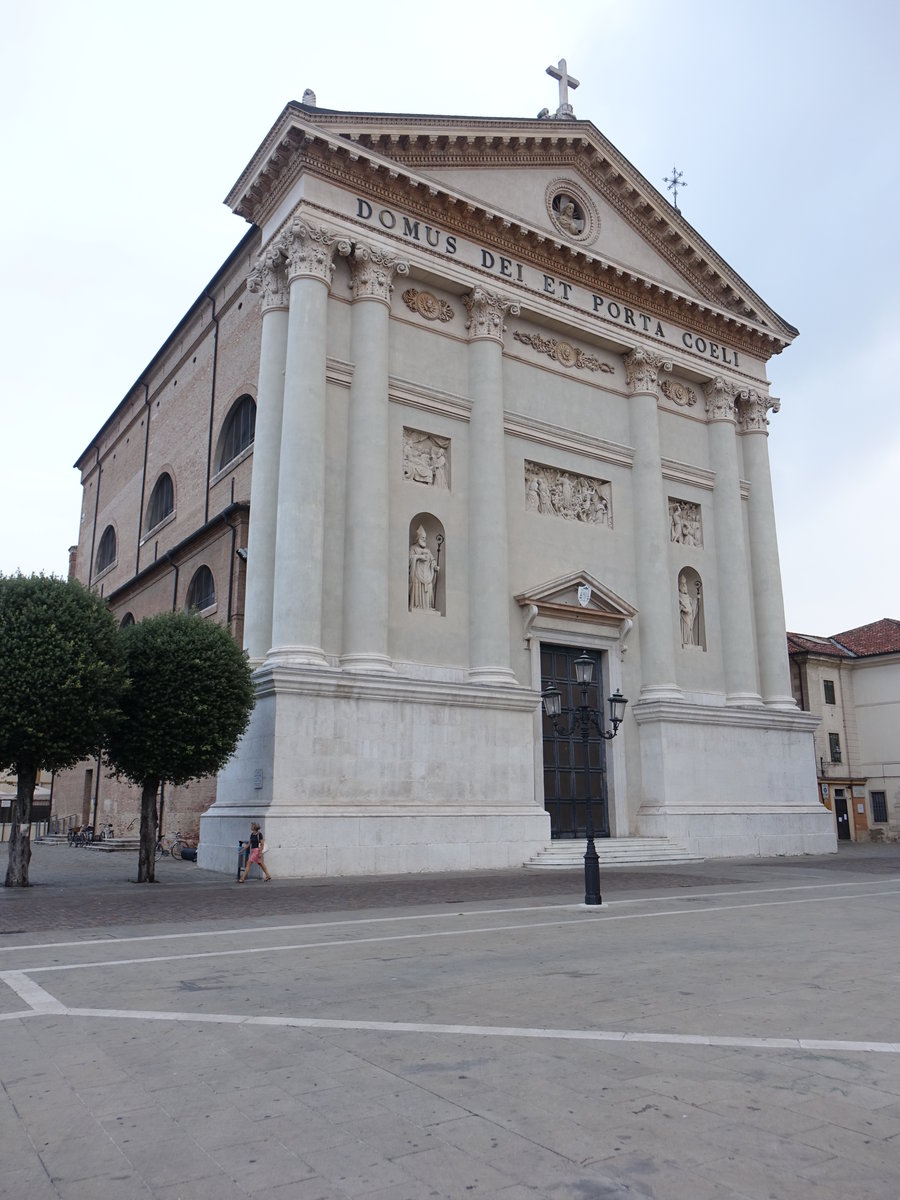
[366, 543]
[489, 598]
[300, 534]
[269, 281]
[774, 669]
[731, 551]
[655, 587]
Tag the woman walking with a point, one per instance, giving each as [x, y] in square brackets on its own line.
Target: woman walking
[257, 846]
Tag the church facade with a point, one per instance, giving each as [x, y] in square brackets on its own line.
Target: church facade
[508, 407]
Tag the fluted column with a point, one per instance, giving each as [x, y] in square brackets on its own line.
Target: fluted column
[489, 598]
[731, 551]
[366, 543]
[771, 642]
[300, 535]
[268, 280]
[655, 588]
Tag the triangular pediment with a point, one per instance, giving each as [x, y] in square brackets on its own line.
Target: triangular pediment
[495, 179]
[579, 596]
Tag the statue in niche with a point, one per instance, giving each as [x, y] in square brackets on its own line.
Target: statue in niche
[567, 215]
[684, 523]
[689, 610]
[426, 459]
[423, 569]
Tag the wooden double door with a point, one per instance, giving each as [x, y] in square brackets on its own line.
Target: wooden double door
[565, 781]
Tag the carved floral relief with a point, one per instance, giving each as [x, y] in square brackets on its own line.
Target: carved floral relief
[426, 458]
[428, 306]
[563, 352]
[555, 493]
[685, 523]
[678, 393]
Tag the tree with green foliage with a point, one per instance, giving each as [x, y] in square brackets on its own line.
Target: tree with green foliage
[188, 702]
[60, 685]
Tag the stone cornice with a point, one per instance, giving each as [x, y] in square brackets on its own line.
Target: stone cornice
[571, 440]
[732, 311]
[679, 472]
[325, 681]
[758, 716]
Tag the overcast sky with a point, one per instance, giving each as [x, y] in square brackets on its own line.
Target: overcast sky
[125, 125]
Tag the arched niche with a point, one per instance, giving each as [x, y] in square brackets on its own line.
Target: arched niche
[691, 616]
[427, 566]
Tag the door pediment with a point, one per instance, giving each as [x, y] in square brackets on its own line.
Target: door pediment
[579, 597]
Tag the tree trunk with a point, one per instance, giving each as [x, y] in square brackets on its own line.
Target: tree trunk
[20, 826]
[147, 857]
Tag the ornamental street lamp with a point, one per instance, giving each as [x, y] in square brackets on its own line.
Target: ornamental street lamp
[583, 718]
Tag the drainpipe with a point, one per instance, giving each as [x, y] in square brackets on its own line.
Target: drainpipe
[212, 401]
[174, 565]
[96, 510]
[233, 529]
[137, 553]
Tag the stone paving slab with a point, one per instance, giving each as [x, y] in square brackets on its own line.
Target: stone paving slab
[167, 1060]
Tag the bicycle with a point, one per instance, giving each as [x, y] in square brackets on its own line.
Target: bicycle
[174, 847]
[81, 836]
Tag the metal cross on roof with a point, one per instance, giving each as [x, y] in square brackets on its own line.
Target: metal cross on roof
[673, 184]
[566, 81]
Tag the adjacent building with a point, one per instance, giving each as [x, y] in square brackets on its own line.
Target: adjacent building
[851, 682]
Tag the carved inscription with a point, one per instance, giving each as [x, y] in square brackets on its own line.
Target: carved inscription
[555, 493]
[685, 523]
[426, 458]
[564, 353]
[428, 306]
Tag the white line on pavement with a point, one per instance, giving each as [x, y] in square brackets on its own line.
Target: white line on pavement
[582, 1035]
[338, 943]
[242, 931]
[32, 993]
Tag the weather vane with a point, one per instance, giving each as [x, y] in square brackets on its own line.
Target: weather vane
[673, 184]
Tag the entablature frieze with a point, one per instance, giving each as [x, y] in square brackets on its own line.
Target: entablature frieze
[433, 252]
[729, 313]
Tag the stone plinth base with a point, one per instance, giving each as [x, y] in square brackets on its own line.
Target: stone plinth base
[730, 781]
[301, 844]
[358, 774]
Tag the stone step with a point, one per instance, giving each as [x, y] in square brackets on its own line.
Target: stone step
[107, 844]
[636, 851]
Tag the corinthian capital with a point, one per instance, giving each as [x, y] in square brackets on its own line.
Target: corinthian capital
[268, 279]
[642, 368]
[372, 272]
[310, 250]
[486, 313]
[752, 407]
[720, 397]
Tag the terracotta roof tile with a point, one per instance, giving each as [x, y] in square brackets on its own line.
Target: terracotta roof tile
[808, 643]
[881, 637]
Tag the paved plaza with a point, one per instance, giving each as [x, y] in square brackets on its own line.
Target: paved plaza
[725, 1030]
